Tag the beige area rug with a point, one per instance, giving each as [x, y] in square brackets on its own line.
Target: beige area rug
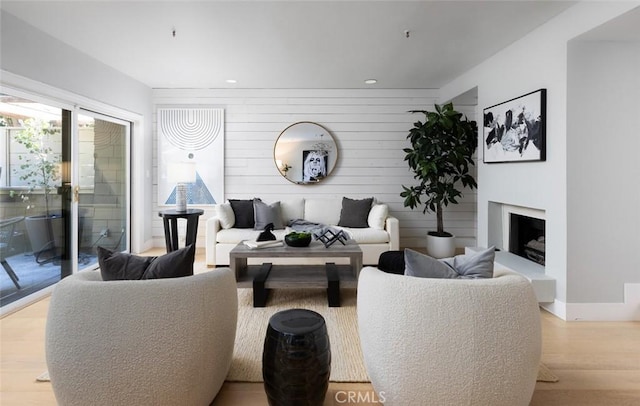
[342, 324]
[346, 355]
[545, 374]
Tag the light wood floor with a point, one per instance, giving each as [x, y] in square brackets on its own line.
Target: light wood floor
[598, 364]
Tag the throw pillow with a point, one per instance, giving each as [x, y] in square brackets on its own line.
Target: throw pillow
[355, 213]
[267, 213]
[225, 215]
[124, 266]
[424, 266]
[473, 266]
[121, 265]
[377, 216]
[243, 213]
[172, 265]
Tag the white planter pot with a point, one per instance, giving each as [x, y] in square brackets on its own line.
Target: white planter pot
[441, 247]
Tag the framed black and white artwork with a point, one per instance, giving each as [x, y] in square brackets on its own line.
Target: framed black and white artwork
[515, 130]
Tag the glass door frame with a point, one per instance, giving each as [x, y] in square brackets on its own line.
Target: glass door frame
[75, 178]
[38, 92]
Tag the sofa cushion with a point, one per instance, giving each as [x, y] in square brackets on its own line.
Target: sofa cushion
[225, 215]
[243, 213]
[323, 211]
[292, 209]
[378, 216]
[267, 213]
[116, 265]
[355, 213]
[235, 235]
[366, 235]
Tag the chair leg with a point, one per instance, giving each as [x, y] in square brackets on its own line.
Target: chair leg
[12, 275]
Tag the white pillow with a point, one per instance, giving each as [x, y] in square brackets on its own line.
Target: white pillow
[378, 215]
[225, 215]
[323, 211]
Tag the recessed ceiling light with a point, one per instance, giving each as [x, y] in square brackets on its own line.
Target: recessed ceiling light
[232, 81]
[371, 81]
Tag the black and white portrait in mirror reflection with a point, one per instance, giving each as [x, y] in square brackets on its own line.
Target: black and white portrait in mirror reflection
[314, 165]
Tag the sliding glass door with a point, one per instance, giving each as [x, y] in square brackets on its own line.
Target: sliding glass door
[102, 191]
[64, 191]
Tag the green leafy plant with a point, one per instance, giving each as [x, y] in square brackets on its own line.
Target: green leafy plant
[441, 152]
[39, 167]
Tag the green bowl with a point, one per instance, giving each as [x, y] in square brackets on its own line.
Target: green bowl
[296, 239]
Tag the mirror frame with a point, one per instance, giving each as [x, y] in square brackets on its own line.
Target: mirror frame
[331, 159]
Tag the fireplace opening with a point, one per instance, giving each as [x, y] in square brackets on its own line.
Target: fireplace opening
[526, 237]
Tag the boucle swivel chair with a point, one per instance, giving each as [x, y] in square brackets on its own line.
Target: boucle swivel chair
[449, 341]
[141, 342]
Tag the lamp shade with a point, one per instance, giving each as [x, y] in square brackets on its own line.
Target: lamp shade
[181, 172]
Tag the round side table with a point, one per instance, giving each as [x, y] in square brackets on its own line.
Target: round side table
[296, 361]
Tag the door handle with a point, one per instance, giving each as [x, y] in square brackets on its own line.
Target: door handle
[76, 194]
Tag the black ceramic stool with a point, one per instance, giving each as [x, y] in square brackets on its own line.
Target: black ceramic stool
[296, 361]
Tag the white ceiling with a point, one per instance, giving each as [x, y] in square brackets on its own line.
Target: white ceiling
[288, 44]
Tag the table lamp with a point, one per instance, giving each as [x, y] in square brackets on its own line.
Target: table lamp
[181, 173]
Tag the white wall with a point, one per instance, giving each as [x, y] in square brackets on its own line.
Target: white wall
[538, 60]
[370, 127]
[603, 170]
[29, 53]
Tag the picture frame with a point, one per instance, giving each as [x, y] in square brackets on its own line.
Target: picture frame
[515, 130]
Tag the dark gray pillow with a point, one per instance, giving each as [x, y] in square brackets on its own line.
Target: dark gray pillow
[175, 264]
[424, 266]
[123, 266]
[267, 213]
[473, 266]
[355, 213]
[243, 212]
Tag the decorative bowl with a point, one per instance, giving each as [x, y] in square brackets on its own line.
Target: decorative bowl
[296, 239]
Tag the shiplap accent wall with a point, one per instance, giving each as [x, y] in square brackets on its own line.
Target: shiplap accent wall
[370, 128]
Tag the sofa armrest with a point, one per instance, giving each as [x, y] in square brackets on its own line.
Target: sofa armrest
[212, 226]
[392, 225]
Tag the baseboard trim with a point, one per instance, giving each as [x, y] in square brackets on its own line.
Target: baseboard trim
[629, 310]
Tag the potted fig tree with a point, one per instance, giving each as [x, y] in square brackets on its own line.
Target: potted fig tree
[441, 153]
[39, 169]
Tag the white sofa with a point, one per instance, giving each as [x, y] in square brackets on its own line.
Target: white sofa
[449, 341]
[383, 236]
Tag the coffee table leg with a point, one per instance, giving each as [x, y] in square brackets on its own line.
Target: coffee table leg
[333, 284]
[260, 294]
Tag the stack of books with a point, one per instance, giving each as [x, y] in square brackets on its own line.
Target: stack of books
[263, 244]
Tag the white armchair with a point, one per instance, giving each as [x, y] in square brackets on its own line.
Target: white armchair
[449, 341]
[143, 342]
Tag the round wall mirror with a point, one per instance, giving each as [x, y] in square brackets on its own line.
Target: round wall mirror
[305, 152]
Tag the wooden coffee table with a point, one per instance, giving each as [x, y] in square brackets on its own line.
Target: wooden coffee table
[267, 276]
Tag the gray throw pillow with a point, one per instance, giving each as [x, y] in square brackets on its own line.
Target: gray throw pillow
[123, 266]
[243, 212]
[424, 266]
[470, 266]
[473, 266]
[355, 213]
[267, 213]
